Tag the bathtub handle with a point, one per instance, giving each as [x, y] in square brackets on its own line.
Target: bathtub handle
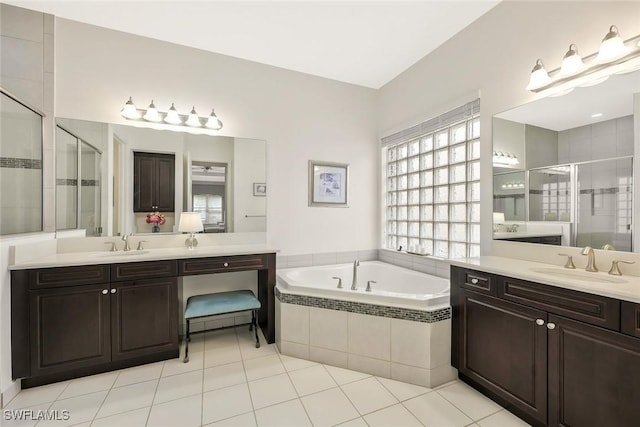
[369, 282]
[339, 282]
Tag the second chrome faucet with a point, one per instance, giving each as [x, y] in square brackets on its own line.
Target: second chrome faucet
[354, 279]
[591, 259]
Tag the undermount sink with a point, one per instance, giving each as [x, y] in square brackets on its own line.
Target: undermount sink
[117, 254]
[577, 275]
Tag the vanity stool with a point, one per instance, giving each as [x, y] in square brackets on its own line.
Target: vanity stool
[221, 303]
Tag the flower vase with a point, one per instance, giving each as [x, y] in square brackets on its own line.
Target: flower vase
[155, 228]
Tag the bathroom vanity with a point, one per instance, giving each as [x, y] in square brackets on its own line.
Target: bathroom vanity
[549, 352]
[82, 313]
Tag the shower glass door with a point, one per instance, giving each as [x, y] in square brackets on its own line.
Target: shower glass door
[90, 190]
[604, 204]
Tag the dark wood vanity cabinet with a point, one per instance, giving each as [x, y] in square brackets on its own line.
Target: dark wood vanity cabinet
[144, 317]
[70, 326]
[153, 182]
[553, 356]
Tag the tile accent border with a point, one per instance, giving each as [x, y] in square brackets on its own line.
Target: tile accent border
[16, 163]
[67, 182]
[365, 308]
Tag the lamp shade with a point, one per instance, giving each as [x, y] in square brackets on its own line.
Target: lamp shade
[190, 222]
[612, 46]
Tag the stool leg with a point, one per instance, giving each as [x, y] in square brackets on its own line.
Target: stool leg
[254, 322]
[186, 345]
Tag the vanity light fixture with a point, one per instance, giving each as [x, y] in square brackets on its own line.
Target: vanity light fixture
[172, 116]
[572, 62]
[152, 114]
[193, 120]
[615, 56]
[129, 111]
[504, 159]
[191, 223]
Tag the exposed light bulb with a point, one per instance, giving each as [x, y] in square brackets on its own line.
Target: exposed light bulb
[572, 62]
[539, 76]
[213, 122]
[612, 46]
[173, 118]
[130, 111]
[152, 114]
[193, 119]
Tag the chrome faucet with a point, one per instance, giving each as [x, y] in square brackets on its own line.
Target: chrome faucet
[354, 280]
[591, 259]
[126, 243]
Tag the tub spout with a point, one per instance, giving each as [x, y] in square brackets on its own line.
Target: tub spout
[354, 280]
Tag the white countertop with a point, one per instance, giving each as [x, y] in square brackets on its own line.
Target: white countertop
[625, 287]
[105, 257]
[519, 234]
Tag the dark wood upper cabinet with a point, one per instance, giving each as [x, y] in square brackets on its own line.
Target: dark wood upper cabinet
[153, 182]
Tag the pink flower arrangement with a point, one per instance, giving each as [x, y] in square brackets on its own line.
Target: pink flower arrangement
[155, 218]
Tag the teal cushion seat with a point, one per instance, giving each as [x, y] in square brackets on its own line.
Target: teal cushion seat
[220, 303]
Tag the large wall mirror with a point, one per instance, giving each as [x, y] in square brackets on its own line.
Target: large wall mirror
[563, 167]
[110, 178]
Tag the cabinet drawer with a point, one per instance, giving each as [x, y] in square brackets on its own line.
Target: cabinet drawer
[478, 281]
[68, 276]
[143, 270]
[630, 323]
[593, 309]
[222, 264]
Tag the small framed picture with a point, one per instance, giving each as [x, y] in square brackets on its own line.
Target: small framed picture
[259, 189]
[328, 184]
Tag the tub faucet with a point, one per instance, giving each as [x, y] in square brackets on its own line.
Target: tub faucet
[591, 259]
[354, 281]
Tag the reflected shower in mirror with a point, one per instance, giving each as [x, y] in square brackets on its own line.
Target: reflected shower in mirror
[575, 157]
[212, 175]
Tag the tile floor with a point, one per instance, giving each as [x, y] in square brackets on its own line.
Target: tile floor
[228, 382]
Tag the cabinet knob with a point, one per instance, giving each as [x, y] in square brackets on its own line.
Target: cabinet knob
[474, 281]
[105, 291]
[551, 325]
[539, 322]
[113, 291]
[226, 264]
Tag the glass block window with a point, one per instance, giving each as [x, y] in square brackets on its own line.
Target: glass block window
[432, 186]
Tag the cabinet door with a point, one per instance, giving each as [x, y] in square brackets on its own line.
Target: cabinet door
[504, 350]
[594, 376]
[144, 182]
[165, 183]
[69, 328]
[144, 317]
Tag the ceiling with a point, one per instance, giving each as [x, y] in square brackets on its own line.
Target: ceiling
[366, 43]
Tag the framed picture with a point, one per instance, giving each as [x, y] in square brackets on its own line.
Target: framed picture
[259, 189]
[328, 184]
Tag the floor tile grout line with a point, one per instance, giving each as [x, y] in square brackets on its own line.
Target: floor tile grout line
[460, 409]
[429, 390]
[385, 407]
[304, 408]
[411, 412]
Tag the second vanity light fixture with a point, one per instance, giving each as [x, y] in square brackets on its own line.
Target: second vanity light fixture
[615, 56]
[172, 117]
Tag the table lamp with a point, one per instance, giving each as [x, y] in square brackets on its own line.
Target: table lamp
[190, 222]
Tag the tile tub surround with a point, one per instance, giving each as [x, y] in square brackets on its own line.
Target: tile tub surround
[342, 335]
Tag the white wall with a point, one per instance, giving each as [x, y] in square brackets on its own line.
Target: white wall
[302, 117]
[494, 57]
[248, 208]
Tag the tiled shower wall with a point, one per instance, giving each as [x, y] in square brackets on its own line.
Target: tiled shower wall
[27, 67]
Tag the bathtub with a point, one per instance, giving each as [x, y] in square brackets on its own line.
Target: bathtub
[394, 285]
[400, 330]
